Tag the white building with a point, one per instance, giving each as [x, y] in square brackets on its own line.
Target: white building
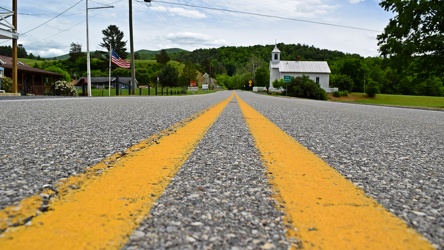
[317, 71]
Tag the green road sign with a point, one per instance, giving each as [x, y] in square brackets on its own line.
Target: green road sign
[287, 78]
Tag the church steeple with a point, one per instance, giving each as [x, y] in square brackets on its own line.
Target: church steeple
[275, 55]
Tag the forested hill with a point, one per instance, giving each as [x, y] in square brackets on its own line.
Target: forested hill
[144, 54]
[241, 55]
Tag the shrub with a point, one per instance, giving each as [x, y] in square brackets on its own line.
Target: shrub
[62, 88]
[6, 84]
[304, 87]
[371, 89]
[336, 94]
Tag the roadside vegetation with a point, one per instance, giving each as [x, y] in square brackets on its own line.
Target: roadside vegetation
[411, 61]
[430, 102]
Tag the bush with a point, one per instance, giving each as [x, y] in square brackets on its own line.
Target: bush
[304, 87]
[340, 93]
[62, 88]
[371, 89]
[6, 84]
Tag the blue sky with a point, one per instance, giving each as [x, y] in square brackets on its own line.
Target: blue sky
[172, 24]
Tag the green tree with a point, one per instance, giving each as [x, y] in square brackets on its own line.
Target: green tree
[431, 87]
[169, 76]
[59, 70]
[121, 72]
[189, 74]
[415, 32]
[224, 80]
[142, 76]
[277, 84]
[21, 51]
[355, 69]
[262, 77]
[162, 57]
[75, 52]
[113, 36]
[342, 82]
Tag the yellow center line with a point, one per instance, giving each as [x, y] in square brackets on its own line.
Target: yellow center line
[107, 208]
[324, 210]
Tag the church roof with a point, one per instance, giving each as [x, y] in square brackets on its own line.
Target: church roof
[276, 50]
[302, 66]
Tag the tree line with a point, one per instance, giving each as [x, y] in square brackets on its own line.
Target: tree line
[411, 61]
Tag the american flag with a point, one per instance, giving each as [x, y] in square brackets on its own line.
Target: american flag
[119, 61]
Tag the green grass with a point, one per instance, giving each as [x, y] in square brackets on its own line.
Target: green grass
[395, 100]
[144, 92]
[31, 62]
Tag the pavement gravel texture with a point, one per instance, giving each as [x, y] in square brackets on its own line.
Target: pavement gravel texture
[45, 139]
[220, 198]
[396, 155]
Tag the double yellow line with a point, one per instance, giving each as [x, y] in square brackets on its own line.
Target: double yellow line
[101, 208]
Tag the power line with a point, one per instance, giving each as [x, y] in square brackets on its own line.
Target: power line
[50, 19]
[270, 16]
[62, 31]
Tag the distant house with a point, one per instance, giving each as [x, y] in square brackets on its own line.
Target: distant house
[318, 71]
[30, 80]
[102, 82]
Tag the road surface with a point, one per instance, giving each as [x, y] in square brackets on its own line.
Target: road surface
[215, 187]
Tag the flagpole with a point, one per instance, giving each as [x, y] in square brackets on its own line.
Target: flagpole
[109, 79]
[133, 66]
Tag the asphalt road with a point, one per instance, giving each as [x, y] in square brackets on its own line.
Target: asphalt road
[394, 154]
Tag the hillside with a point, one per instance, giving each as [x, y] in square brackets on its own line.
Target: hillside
[151, 54]
[143, 54]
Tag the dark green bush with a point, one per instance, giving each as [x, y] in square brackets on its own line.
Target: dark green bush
[371, 89]
[304, 87]
[340, 93]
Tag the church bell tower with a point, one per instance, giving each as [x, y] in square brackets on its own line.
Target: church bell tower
[275, 55]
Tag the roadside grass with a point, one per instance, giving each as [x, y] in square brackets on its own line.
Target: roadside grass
[431, 102]
[144, 92]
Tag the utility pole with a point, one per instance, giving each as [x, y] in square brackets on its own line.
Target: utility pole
[133, 67]
[14, 50]
[88, 57]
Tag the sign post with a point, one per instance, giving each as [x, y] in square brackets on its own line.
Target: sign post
[287, 79]
[2, 70]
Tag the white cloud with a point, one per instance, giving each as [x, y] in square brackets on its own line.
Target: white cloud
[180, 12]
[355, 1]
[50, 53]
[190, 38]
[284, 8]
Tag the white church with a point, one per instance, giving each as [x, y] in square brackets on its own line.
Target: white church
[318, 71]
